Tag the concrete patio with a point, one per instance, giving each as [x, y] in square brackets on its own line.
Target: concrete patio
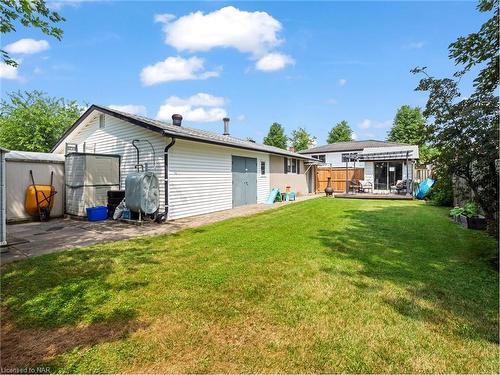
[35, 238]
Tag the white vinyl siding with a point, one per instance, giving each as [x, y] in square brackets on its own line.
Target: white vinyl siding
[335, 159]
[116, 138]
[200, 178]
[369, 172]
[200, 175]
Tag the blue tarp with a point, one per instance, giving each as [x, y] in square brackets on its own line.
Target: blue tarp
[424, 188]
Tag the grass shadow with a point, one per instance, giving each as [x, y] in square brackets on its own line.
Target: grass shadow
[72, 287]
[428, 258]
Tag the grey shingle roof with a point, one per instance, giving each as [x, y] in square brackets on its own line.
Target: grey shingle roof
[183, 132]
[350, 146]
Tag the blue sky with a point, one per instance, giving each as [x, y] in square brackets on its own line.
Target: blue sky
[308, 64]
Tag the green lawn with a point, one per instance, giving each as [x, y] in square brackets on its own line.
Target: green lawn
[319, 286]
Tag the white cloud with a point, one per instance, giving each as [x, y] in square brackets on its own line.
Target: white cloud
[228, 27]
[354, 136]
[342, 81]
[240, 118]
[129, 108]
[58, 5]
[331, 101]
[9, 72]
[367, 124]
[200, 107]
[164, 18]
[273, 61]
[27, 46]
[414, 45]
[175, 69]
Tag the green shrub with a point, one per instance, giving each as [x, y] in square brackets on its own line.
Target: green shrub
[456, 211]
[441, 193]
[470, 209]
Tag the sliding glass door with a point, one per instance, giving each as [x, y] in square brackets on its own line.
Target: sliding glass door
[387, 174]
[395, 172]
[381, 177]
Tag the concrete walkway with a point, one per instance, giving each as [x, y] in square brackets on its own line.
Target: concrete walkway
[34, 238]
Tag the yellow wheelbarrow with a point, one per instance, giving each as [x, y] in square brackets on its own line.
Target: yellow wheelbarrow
[39, 199]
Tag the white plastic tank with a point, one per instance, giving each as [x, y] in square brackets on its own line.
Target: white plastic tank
[142, 192]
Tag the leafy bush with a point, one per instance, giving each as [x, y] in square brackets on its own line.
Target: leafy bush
[470, 209]
[441, 193]
[456, 211]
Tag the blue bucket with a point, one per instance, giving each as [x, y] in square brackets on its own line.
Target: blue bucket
[97, 213]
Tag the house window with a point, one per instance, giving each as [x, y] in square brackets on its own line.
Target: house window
[291, 165]
[102, 122]
[262, 168]
[321, 158]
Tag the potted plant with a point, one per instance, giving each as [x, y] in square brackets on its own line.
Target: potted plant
[455, 214]
[468, 216]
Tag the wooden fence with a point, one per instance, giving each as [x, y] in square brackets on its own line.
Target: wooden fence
[338, 176]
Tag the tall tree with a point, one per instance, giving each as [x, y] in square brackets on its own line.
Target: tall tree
[276, 136]
[28, 13]
[408, 126]
[301, 139]
[465, 131]
[341, 132]
[33, 121]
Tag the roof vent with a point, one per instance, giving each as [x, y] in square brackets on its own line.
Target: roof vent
[226, 125]
[177, 119]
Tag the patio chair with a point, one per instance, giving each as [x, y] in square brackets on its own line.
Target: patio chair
[354, 186]
[399, 187]
[365, 186]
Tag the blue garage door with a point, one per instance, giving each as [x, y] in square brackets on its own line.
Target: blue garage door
[244, 181]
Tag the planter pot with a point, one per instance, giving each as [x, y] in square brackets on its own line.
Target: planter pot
[478, 223]
[462, 220]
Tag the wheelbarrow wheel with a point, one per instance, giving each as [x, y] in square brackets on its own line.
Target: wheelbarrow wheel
[44, 213]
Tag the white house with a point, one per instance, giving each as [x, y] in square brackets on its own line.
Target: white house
[199, 171]
[383, 163]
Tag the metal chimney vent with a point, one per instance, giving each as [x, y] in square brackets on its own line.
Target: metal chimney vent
[226, 125]
[177, 120]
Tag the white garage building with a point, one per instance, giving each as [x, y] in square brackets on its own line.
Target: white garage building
[202, 171]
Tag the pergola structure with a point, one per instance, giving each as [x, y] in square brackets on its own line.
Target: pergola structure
[376, 156]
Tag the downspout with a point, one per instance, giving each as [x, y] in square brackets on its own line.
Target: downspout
[408, 194]
[165, 171]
